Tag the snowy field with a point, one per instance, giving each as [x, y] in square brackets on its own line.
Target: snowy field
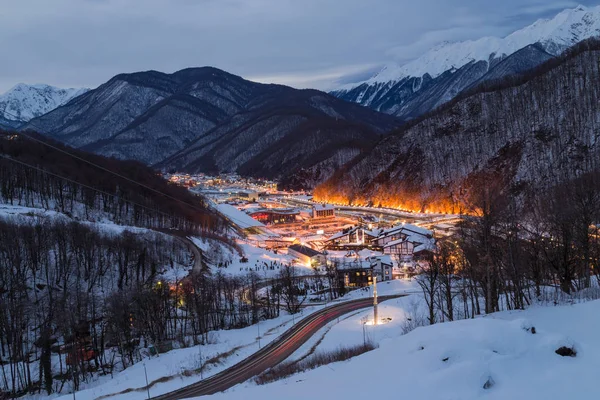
[454, 360]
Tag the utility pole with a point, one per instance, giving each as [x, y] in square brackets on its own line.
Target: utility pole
[73, 367]
[201, 362]
[375, 314]
[258, 328]
[147, 384]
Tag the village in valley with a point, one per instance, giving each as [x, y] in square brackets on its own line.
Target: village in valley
[357, 244]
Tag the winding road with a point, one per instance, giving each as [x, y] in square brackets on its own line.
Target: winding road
[272, 354]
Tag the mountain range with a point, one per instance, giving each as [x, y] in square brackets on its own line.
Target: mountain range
[207, 120]
[440, 74]
[24, 102]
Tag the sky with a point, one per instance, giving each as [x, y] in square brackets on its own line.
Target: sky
[301, 43]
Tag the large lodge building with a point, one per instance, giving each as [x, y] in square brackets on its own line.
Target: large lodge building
[275, 215]
[403, 242]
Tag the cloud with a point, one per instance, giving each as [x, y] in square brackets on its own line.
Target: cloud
[324, 79]
[300, 43]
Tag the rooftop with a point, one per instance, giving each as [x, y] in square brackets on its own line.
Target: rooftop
[320, 207]
[238, 217]
[307, 251]
[279, 211]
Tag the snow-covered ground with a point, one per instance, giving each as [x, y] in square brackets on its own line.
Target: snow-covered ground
[444, 361]
[99, 220]
[454, 360]
[262, 261]
[179, 365]
[176, 364]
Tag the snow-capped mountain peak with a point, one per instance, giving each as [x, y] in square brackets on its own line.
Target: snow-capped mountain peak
[24, 102]
[449, 68]
[556, 34]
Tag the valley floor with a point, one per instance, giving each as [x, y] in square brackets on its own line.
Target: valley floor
[493, 357]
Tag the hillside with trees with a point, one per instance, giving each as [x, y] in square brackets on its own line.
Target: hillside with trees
[103, 239]
[42, 173]
[524, 134]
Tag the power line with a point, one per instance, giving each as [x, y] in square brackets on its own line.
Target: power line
[83, 185]
[96, 165]
[107, 170]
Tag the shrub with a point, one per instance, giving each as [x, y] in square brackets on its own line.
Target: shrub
[289, 368]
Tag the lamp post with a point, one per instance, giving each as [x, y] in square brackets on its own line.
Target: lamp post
[375, 314]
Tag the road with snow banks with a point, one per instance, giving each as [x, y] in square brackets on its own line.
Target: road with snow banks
[272, 354]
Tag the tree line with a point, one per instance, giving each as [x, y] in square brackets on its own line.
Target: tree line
[516, 250]
[78, 301]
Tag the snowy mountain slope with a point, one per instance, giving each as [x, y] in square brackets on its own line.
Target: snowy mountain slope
[396, 88]
[8, 124]
[533, 134]
[522, 60]
[24, 102]
[564, 30]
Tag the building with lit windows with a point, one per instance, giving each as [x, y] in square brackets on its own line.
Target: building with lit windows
[323, 211]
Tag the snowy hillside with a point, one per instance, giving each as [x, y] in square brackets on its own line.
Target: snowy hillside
[449, 68]
[444, 361]
[24, 102]
[495, 357]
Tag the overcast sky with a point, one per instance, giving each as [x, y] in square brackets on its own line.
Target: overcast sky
[302, 43]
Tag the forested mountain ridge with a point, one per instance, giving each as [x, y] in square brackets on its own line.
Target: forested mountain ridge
[180, 120]
[527, 133]
[57, 178]
[286, 133]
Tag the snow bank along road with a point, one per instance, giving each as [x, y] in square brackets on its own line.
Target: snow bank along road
[272, 354]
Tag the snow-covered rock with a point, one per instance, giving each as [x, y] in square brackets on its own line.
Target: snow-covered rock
[24, 102]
